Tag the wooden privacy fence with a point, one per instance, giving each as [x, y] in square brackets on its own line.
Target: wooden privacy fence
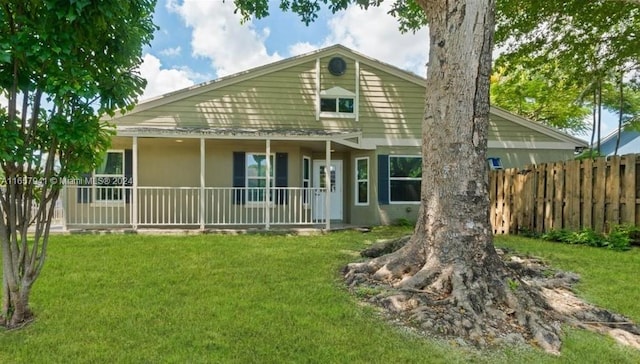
[592, 193]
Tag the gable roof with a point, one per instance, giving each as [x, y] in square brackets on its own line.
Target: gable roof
[270, 68]
[629, 142]
[325, 52]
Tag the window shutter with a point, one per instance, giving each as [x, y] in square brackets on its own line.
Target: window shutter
[282, 174]
[239, 177]
[83, 188]
[383, 179]
[128, 173]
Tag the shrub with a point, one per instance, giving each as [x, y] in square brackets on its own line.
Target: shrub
[618, 239]
[403, 221]
[561, 235]
[587, 237]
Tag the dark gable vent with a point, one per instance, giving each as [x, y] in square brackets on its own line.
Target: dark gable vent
[337, 66]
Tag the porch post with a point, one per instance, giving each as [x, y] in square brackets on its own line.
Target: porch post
[327, 184]
[202, 183]
[134, 184]
[267, 195]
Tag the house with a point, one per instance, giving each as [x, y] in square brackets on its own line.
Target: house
[329, 136]
[629, 142]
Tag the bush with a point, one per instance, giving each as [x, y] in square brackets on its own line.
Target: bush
[403, 221]
[618, 239]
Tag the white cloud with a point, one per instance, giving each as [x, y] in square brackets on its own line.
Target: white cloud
[304, 47]
[171, 52]
[375, 33]
[218, 35]
[161, 81]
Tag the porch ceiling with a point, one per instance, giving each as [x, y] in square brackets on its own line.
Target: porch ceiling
[348, 137]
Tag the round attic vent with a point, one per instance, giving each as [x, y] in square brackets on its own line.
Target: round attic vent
[337, 66]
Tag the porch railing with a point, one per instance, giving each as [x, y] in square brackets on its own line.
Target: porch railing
[192, 206]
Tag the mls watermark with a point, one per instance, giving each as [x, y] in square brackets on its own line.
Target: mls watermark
[76, 181]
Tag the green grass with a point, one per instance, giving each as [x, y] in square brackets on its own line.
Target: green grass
[608, 278]
[238, 299]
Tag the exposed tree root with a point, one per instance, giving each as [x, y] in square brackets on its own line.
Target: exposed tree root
[517, 300]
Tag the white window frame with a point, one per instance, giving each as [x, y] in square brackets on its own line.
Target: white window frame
[119, 177]
[337, 93]
[272, 170]
[402, 179]
[361, 180]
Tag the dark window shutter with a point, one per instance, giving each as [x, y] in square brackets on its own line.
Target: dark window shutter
[383, 179]
[282, 174]
[239, 177]
[128, 173]
[83, 188]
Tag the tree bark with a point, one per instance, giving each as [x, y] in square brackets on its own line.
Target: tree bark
[450, 257]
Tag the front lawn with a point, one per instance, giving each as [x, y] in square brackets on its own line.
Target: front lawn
[258, 298]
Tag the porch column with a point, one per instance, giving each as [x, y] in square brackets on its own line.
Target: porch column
[202, 183]
[327, 185]
[134, 184]
[267, 195]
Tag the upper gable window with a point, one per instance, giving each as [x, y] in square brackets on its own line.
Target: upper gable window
[337, 102]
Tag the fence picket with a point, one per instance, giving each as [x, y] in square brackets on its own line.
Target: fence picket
[540, 187]
[558, 195]
[613, 193]
[629, 190]
[587, 195]
[572, 198]
[599, 193]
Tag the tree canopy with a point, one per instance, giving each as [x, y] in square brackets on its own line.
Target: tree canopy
[63, 65]
[551, 101]
[573, 50]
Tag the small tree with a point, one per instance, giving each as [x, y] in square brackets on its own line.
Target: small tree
[63, 65]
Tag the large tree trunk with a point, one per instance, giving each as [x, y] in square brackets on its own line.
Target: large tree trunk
[450, 259]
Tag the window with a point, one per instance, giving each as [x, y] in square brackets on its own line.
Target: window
[256, 172]
[405, 174]
[109, 178]
[362, 181]
[306, 178]
[337, 104]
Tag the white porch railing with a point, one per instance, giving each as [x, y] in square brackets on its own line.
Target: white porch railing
[182, 206]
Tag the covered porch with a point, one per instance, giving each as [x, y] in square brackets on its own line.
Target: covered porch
[230, 182]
